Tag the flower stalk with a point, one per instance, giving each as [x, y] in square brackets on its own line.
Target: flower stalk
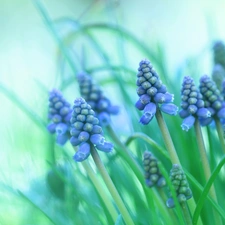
[122, 208]
[205, 165]
[100, 191]
[220, 133]
[167, 138]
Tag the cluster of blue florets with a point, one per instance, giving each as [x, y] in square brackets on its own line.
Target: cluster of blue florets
[86, 131]
[213, 99]
[59, 115]
[153, 175]
[152, 92]
[180, 184]
[95, 97]
[192, 104]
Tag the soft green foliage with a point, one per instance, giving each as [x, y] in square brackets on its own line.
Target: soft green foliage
[54, 189]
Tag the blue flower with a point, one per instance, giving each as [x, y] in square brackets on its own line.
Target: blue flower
[85, 131]
[61, 139]
[149, 113]
[95, 97]
[105, 147]
[169, 108]
[59, 116]
[188, 122]
[152, 173]
[83, 152]
[204, 113]
[181, 186]
[192, 104]
[212, 97]
[163, 98]
[51, 127]
[97, 139]
[104, 118]
[61, 128]
[152, 91]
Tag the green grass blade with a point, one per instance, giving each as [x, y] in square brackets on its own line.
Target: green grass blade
[43, 12]
[113, 68]
[20, 104]
[147, 139]
[206, 190]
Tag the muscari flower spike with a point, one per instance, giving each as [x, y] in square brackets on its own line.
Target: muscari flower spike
[181, 186]
[151, 169]
[218, 75]
[94, 96]
[85, 131]
[59, 115]
[213, 99]
[152, 92]
[192, 104]
[219, 53]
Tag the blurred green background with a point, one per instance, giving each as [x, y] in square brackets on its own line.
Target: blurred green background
[29, 62]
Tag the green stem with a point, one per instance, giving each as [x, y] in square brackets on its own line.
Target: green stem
[101, 192]
[205, 165]
[202, 150]
[171, 150]
[167, 138]
[51, 154]
[220, 133]
[126, 155]
[186, 213]
[112, 189]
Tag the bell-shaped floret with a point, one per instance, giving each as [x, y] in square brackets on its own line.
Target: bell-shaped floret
[104, 118]
[61, 139]
[203, 113]
[61, 128]
[169, 108]
[97, 139]
[105, 147]
[188, 122]
[149, 112]
[83, 152]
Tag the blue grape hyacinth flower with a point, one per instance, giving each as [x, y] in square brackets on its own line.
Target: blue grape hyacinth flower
[213, 99]
[192, 104]
[95, 97]
[86, 131]
[181, 186]
[152, 93]
[153, 175]
[59, 115]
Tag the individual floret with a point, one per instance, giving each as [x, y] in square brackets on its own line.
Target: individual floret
[59, 115]
[152, 93]
[192, 104]
[212, 98]
[94, 96]
[86, 131]
[181, 186]
[152, 174]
